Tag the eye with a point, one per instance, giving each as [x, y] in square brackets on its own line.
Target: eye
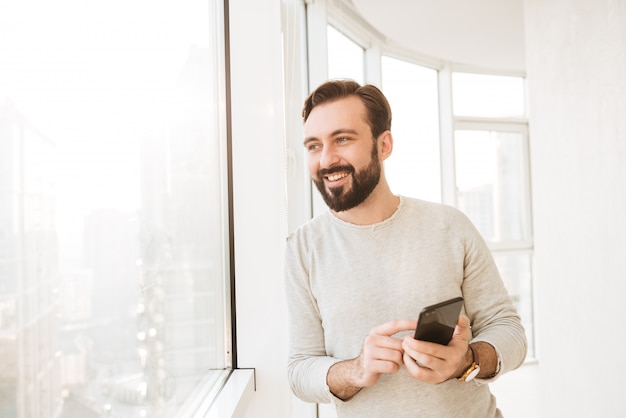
[342, 139]
[313, 147]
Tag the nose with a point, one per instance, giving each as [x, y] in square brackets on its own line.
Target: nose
[328, 157]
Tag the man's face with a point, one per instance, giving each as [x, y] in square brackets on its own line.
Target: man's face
[343, 157]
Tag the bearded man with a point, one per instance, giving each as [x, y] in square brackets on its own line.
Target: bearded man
[358, 275]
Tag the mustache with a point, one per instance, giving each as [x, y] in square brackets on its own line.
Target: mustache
[337, 169]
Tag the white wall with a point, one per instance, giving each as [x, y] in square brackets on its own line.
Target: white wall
[260, 213]
[576, 68]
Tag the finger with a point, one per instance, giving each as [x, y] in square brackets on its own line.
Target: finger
[425, 368]
[393, 327]
[414, 347]
[412, 365]
[376, 344]
[426, 353]
[408, 346]
[462, 329]
[380, 355]
[383, 367]
[418, 370]
[420, 359]
[381, 358]
[463, 321]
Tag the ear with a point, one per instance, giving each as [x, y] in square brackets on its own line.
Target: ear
[385, 145]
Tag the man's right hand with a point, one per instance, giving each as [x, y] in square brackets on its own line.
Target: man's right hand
[381, 353]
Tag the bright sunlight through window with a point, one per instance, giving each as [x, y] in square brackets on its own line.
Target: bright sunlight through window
[112, 234]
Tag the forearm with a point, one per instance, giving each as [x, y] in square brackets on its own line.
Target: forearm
[488, 359]
[341, 379]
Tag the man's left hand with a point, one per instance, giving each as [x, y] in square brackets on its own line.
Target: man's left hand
[435, 363]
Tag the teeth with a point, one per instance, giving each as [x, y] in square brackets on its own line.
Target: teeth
[335, 177]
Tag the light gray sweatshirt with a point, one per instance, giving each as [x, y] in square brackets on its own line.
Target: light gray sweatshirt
[343, 279]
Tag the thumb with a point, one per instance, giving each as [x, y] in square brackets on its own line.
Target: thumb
[462, 329]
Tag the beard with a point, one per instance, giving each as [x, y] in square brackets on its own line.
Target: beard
[363, 183]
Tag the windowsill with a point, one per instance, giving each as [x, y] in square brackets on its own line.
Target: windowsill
[233, 399]
[221, 394]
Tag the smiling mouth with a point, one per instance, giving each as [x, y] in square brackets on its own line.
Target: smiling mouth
[336, 176]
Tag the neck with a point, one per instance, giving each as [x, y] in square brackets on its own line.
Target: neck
[378, 206]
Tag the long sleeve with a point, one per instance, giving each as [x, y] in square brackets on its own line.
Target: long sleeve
[487, 302]
[308, 362]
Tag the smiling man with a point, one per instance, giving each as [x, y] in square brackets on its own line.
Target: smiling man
[340, 185]
[358, 275]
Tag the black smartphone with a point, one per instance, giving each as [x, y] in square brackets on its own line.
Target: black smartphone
[436, 322]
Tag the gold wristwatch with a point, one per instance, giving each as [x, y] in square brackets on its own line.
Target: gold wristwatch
[473, 370]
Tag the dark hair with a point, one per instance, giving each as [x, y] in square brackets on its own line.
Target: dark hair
[376, 104]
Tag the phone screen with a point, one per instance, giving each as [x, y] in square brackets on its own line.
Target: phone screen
[436, 323]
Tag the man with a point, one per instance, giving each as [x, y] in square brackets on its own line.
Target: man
[358, 275]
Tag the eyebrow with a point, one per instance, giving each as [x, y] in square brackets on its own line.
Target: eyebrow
[333, 133]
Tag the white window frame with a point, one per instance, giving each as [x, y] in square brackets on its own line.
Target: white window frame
[506, 126]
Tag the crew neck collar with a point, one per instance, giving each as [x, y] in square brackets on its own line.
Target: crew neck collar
[373, 226]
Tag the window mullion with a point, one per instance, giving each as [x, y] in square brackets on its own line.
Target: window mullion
[448, 183]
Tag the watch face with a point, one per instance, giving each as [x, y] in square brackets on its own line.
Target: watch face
[473, 374]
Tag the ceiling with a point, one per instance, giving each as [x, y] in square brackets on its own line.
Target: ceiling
[484, 34]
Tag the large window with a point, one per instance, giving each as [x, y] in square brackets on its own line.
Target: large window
[487, 95]
[345, 57]
[492, 176]
[113, 207]
[459, 138]
[414, 168]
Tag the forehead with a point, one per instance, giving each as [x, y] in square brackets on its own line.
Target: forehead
[345, 113]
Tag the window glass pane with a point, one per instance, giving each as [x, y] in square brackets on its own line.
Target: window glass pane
[490, 183]
[515, 269]
[345, 58]
[112, 229]
[414, 166]
[487, 95]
